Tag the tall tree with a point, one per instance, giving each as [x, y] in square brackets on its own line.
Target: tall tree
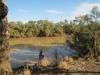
[87, 40]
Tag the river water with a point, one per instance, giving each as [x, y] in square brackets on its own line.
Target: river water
[26, 53]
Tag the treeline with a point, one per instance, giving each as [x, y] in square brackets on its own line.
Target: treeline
[40, 28]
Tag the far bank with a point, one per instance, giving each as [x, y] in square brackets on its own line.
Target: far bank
[39, 41]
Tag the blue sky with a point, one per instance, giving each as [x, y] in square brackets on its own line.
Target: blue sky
[54, 10]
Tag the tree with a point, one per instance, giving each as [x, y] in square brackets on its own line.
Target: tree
[87, 40]
[4, 39]
[95, 14]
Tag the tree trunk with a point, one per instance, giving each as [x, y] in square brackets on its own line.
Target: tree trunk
[95, 45]
[4, 38]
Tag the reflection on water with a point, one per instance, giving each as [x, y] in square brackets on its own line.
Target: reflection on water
[25, 53]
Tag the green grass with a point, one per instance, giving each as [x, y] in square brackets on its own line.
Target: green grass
[39, 41]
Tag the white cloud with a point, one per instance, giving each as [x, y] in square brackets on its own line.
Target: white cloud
[83, 9]
[22, 10]
[54, 11]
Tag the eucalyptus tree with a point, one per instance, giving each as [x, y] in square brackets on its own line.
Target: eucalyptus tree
[95, 29]
[87, 39]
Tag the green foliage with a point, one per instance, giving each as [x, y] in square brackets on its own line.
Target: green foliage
[82, 43]
[40, 28]
[87, 40]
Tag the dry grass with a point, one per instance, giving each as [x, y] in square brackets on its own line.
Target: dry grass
[68, 59]
[65, 62]
[5, 65]
[27, 72]
[78, 65]
[39, 41]
[63, 65]
[44, 62]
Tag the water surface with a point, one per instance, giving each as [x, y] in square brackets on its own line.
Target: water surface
[29, 53]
